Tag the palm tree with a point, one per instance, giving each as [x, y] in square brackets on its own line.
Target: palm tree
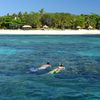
[42, 11]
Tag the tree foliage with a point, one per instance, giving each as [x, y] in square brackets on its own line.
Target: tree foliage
[52, 20]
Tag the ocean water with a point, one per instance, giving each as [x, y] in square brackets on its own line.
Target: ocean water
[79, 54]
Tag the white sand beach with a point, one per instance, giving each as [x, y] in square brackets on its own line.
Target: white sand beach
[49, 32]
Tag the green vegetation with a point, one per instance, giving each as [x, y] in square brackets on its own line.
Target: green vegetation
[53, 20]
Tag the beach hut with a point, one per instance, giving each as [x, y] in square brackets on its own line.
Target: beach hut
[90, 27]
[78, 27]
[45, 27]
[26, 27]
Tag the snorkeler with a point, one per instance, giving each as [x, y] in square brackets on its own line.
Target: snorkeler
[45, 66]
[58, 69]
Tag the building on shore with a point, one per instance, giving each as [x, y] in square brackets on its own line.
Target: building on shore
[26, 27]
[45, 27]
[78, 27]
[90, 28]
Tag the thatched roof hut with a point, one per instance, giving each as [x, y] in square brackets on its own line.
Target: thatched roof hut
[45, 26]
[90, 27]
[26, 27]
[78, 27]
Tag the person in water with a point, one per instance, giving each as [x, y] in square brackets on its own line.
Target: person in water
[58, 69]
[45, 66]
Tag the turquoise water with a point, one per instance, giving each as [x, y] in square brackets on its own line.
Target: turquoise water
[79, 54]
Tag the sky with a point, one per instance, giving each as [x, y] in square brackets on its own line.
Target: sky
[68, 6]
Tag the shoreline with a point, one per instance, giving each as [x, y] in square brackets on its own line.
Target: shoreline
[50, 32]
